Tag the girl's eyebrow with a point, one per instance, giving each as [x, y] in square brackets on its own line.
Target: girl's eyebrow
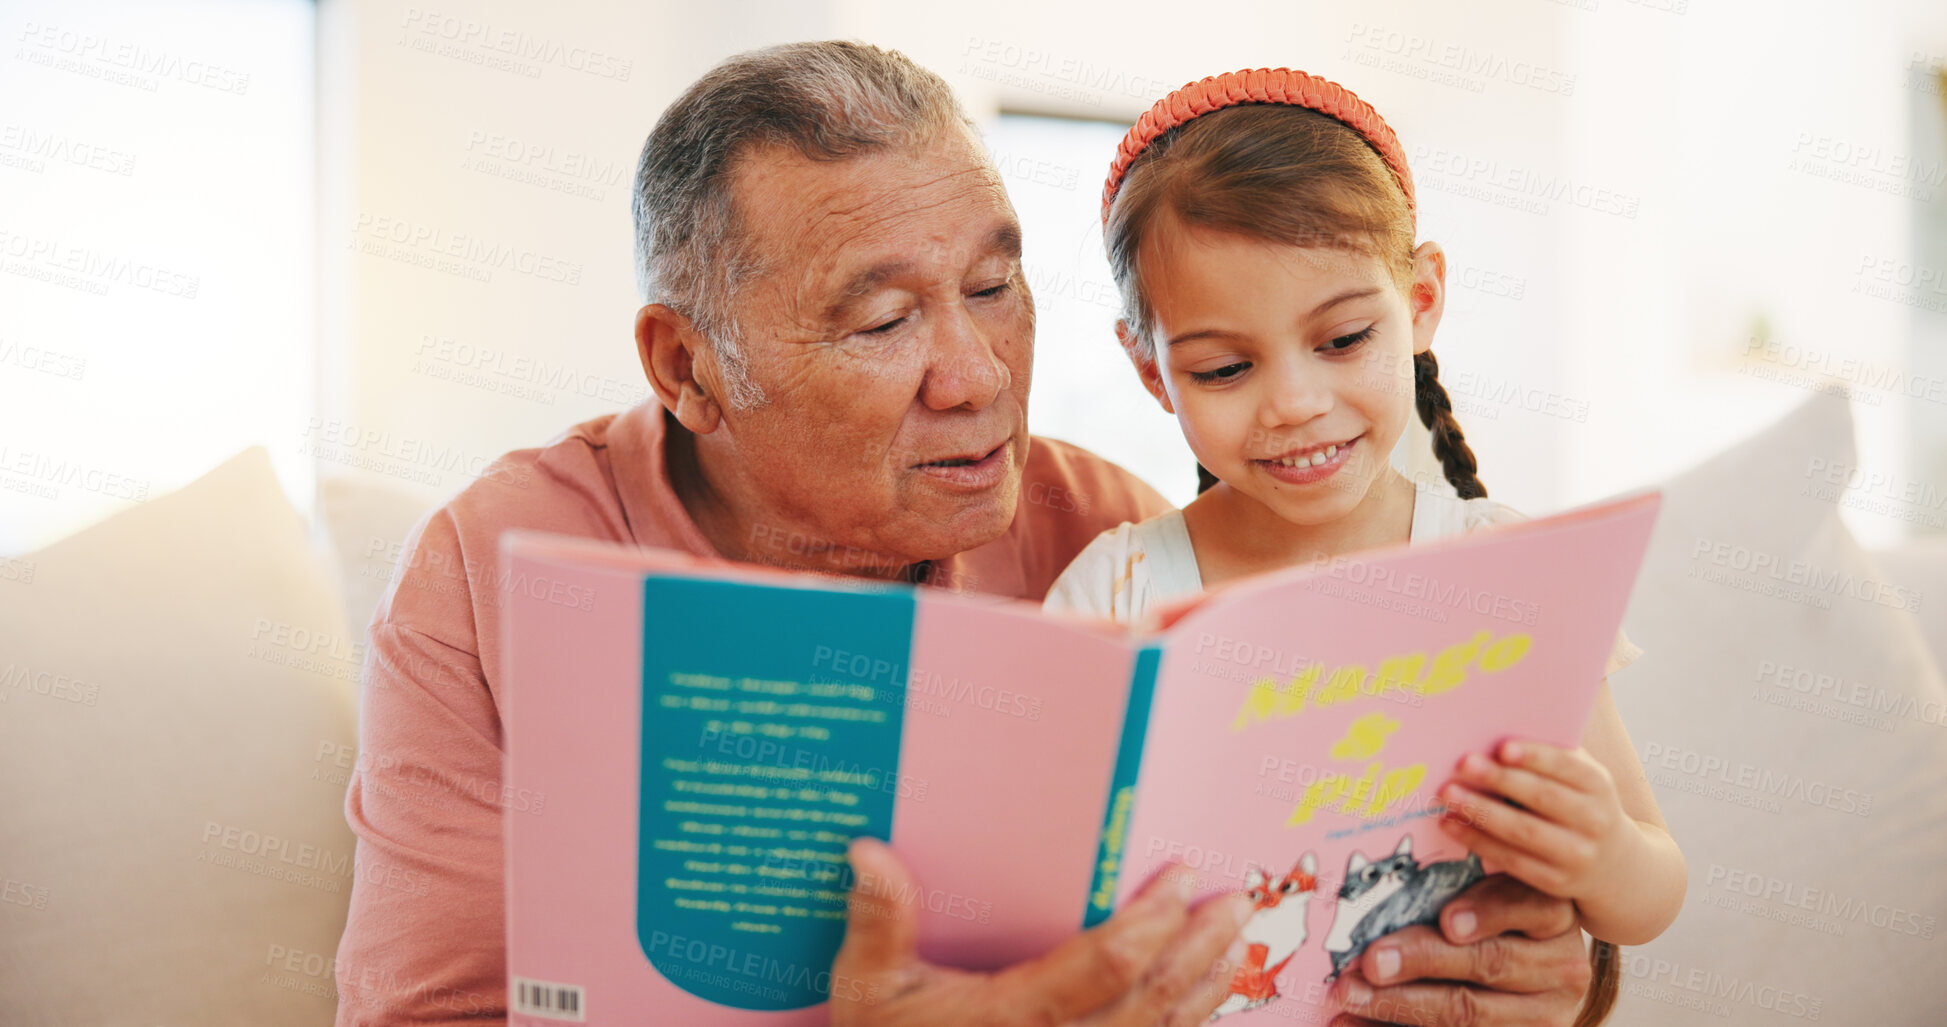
[1206, 333]
[1221, 333]
[1345, 297]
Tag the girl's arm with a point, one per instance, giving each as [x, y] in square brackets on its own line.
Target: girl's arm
[1586, 828]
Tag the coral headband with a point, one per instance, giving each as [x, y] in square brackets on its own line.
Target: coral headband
[1259, 85]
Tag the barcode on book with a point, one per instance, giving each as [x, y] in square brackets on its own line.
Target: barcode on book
[545, 998]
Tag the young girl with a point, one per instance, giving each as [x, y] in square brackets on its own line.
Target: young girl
[1261, 228]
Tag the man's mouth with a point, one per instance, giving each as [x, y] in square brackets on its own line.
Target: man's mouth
[964, 461]
[970, 471]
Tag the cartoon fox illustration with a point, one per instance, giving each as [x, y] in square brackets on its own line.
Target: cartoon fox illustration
[1273, 933]
[1380, 898]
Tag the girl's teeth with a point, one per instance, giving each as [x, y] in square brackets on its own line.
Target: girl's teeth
[1311, 461]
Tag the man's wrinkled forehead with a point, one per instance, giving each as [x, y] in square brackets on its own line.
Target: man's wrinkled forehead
[833, 231]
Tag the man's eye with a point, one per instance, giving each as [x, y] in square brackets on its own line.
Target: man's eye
[1223, 373]
[884, 328]
[995, 291]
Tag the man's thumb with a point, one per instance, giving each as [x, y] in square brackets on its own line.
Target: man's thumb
[882, 925]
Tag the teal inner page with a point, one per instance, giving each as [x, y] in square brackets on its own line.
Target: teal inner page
[771, 722]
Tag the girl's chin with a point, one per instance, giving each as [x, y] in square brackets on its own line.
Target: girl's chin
[1317, 503]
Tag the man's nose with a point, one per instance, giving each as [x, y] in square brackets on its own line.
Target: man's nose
[965, 367]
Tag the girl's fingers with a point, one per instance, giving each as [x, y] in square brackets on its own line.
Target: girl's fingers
[1547, 797]
[1572, 767]
[1518, 829]
[1517, 863]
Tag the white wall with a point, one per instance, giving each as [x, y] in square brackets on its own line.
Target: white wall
[156, 251]
[473, 239]
[1777, 157]
[432, 370]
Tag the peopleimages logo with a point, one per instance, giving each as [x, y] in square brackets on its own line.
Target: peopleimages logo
[1710, 991]
[1744, 559]
[88, 269]
[1866, 699]
[122, 61]
[1412, 48]
[332, 439]
[1433, 164]
[1443, 595]
[904, 682]
[431, 28]
[1715, 771]
[458, 253]
[518, 375]
[696, 954]
[1822, 901]
[56, 472]
[66, 150]
[1849, 369]
[1017, 65]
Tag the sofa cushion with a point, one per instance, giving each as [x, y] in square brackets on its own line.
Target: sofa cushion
[1920, 567]
[1794, 727]
[365, 522]
[177, 722]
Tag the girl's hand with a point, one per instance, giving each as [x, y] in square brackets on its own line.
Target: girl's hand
[1548, 816]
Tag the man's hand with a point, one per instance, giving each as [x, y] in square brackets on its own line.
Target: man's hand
[1156, 961]
[1505, 954]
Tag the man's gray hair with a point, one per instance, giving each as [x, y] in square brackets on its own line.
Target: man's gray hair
[827, 100]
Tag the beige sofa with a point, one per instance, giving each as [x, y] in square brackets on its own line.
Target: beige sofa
[178, 711]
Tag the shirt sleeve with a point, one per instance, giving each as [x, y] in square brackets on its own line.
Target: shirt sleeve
[1091, 583]
[424, 939]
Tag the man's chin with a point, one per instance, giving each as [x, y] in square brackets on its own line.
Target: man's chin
[944, 526]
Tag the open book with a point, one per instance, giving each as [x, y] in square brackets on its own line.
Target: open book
[705, 738]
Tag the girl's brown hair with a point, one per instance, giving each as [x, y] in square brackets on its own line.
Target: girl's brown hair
[1293, 175]
[1284, 174]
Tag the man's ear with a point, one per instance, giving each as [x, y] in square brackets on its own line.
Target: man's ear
[1146, 368]
[1427, 298]
[679, 372]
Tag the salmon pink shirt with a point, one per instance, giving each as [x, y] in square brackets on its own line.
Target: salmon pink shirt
[424, 942]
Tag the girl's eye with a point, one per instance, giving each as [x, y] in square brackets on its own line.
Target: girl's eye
[1352, 340]
[1223, 373]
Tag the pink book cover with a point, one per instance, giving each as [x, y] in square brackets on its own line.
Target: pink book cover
[705, 739]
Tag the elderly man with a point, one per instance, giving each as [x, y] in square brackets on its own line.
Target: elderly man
[839, 337]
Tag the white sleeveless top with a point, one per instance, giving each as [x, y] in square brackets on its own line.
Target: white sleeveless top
[1130, 568]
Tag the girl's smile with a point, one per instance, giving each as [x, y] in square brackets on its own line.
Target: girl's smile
[1304, 466]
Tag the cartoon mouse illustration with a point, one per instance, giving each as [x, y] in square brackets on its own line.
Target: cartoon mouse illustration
[1380, 898]
[1273, 933]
